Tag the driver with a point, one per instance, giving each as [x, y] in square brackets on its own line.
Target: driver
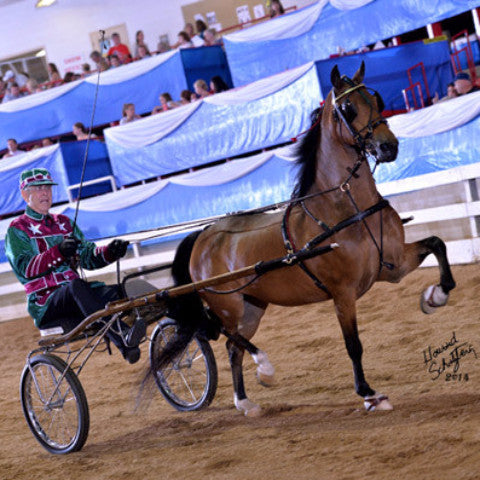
[43, 250]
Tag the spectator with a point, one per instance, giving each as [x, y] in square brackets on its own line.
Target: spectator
[86, 70]
[12, 148]
[451, 93]
[80, 131]
[463, 84]
[99, 61]
[120, 49]
[166, 103]
[217, 84]
[184, 40]
[210, 38]
[114, 61]
[32, 86]
[201, 27]
[276, 8]
[13, 93]
[142, 52]
[140, 42]
[47, 142]
[201, 88]
[20, 79]
[128, 114]
[53, 73]
[185, 97]
[69, 77]
[3, 87]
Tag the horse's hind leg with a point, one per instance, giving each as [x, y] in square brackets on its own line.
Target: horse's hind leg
[346, 313]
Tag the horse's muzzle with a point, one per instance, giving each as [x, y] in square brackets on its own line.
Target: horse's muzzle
[384, 152]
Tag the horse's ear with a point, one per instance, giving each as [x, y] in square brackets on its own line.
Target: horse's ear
[359, 74]
[335, 78]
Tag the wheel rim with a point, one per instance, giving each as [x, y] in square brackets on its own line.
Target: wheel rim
[52, 407]
[186, 378]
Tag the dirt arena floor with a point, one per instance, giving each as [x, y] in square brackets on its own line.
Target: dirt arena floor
[313, 427]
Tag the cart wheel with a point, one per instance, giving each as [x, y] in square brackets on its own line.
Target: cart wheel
[190, 381]
[55, 408]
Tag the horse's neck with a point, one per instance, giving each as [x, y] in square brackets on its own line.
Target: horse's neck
[334, 165]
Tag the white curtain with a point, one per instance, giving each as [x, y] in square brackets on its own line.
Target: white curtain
[260, 88]
[437, 118]
[292, 24]
[150, 129]
[26, 158]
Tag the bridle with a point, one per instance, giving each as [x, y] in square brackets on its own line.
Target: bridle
[373, 123]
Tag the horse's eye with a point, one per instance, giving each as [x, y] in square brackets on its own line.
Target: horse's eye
[348, 110]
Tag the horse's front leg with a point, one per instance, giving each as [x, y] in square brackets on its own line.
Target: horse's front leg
[346, 314]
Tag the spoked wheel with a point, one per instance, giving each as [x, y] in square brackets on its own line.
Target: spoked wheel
[54, 404]
[189, 382]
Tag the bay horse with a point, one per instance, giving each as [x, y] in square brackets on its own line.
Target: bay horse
[335, 199]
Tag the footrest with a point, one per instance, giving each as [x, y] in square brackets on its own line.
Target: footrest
[51, 331]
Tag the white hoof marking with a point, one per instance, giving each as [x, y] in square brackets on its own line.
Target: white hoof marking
[248, 408]
[265, 370]
[432, 298]
[377, 402]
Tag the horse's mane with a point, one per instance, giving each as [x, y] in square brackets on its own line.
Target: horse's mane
[307, 155]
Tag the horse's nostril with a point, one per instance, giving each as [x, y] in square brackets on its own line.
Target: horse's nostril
[386, 147]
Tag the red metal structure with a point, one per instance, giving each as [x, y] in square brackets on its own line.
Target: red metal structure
[467, 49]
[416, 89]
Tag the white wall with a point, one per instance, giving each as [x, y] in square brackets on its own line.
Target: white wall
[63, 29]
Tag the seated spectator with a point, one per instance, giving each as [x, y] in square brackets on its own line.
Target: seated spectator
[140, 42]
[12, 148]
[86, 70]
[276, 8]
[12, 93]
[114, 61]
[53, 73]
[120, 49]
[463, 84]
[217, 84]
[184, 40]
[19, 78]
[185, 97]
[47, 142]
[69, 77]
[142, 53]
[201, 88]
[32, 86]
[128, 114]
[210, 38]
[451, 93]
[99, 61]
[80, 131]
[201, 28]
[166, 103]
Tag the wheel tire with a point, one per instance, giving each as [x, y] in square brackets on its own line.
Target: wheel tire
[60, 425]
[189, 382]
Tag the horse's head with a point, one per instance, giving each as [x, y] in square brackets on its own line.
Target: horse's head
[356, 110]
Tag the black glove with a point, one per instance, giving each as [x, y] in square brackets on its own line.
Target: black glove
[117, 248]
[68, 247]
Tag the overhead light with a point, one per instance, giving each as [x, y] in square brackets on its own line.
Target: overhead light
[41, 53]
[44, 3]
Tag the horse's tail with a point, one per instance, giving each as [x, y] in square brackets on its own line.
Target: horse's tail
[187, 310]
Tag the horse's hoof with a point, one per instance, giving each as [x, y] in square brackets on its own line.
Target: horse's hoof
[248, 408]
[265, 380]
[265, 370]
[377, 402]
[432, 298]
